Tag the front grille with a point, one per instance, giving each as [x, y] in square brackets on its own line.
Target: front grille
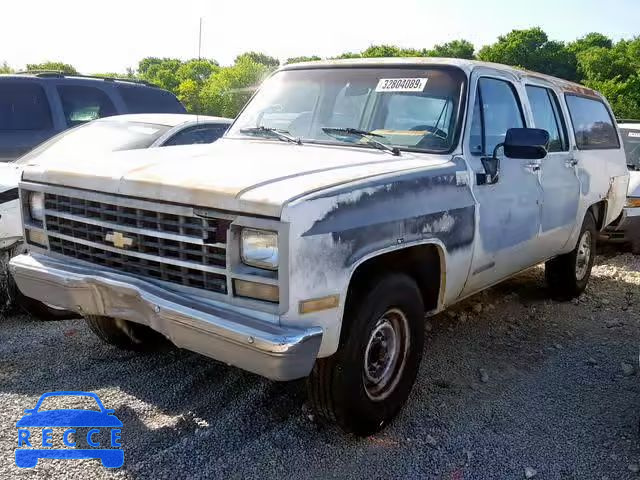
[180, 249]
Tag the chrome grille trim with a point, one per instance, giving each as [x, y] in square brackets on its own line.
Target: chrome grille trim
[179, 248]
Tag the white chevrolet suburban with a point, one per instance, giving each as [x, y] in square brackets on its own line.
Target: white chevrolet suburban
[347, 200]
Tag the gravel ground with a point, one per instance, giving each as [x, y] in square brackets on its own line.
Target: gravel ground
[512, 386]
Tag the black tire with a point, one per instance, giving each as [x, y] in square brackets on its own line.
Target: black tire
[126, 335]
[567, 275]
[42, 311]
[336, 385]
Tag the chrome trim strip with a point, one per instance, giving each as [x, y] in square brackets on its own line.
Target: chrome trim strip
[130, 229]
[144, 256]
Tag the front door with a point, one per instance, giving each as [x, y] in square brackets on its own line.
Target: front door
[558, 172]
[509, 211]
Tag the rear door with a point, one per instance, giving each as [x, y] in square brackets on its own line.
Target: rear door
[25, 117]
[558, 171]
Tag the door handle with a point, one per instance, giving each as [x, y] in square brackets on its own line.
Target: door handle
[572, 162]
[532, 167]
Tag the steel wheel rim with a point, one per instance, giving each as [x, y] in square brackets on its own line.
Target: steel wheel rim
[583, 256]
[386, 354]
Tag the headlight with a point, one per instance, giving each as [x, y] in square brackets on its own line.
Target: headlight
[633, 202]
[36, 206]
[259, 248]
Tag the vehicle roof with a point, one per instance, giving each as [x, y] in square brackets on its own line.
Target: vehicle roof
[167, 119]
[466, 65]
[46, 76]
[630, 125]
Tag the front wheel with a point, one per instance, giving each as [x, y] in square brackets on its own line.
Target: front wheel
[366, 382]
[567, 275]
[126, 335]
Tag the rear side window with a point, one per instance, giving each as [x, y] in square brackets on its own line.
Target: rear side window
[592, 124]
[83, 104]
[197, 135]
[141, 99]
[547, 116]
[24, 106]
[497, 109]
[631, 140]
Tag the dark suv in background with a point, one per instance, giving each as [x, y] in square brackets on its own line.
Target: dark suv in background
[36, 106]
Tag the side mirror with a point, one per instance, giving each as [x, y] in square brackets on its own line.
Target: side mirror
[527, 143]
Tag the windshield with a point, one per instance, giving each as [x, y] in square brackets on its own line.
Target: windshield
[631, 140]
[99, 136]
[408, 108]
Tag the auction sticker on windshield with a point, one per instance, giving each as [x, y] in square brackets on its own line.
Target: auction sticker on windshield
[401, 84]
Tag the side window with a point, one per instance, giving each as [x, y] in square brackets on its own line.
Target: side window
[497, 110]
[24, 106]
[592, 124]
[141, 99]
[83, 104]
[547, 115]
[197, 135]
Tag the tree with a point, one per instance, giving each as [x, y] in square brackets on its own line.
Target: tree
[261, 58]
[590, 40]
[454, 49]
[53, 67]
[389, 51]
[160, 71]
[531, 49]
[5, 68]
[226, 92]
[303, 59]
[192, 76]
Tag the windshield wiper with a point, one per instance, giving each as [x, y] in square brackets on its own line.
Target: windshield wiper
[283, 135]
[368, 137]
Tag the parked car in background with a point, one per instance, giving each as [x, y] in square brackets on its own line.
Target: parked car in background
[347, 200]
[88, 141]
[37, 106]
[626, 228]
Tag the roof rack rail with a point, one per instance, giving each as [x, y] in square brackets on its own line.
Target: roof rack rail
[60, 74]
[627, 120]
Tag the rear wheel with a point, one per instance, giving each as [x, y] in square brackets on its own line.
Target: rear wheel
[126, 335]
[567, 275]
[366, 382]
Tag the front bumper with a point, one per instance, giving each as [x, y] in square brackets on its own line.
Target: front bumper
[626, 228]
[230, 336]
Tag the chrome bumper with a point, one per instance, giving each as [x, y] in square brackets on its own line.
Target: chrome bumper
[270, 350]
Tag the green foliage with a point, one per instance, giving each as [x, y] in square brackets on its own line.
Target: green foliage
[226, 92]
[261, 58]
[303, 59]
[5, 68]
[455, 49]
[52, 66]
[623, 95]
[531, 49]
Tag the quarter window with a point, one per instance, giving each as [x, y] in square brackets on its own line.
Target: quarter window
[83, 104]
[23, 106]
[497, 110]
[547, 116]
[592, 124]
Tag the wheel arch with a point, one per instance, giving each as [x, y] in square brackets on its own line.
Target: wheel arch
[425, 262]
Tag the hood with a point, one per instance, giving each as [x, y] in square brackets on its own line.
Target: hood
[250, 176]
[634, 184]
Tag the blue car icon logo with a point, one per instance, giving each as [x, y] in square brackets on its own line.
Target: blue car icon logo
[70, 419]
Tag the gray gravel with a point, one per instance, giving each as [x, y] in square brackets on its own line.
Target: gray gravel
[512, 386]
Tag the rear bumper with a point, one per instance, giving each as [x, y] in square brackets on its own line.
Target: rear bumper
[626, 228]
[227, 335]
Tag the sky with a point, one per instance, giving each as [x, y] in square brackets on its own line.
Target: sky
[112, 35]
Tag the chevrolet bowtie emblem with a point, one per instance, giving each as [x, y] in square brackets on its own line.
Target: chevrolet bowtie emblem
[119, 240]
